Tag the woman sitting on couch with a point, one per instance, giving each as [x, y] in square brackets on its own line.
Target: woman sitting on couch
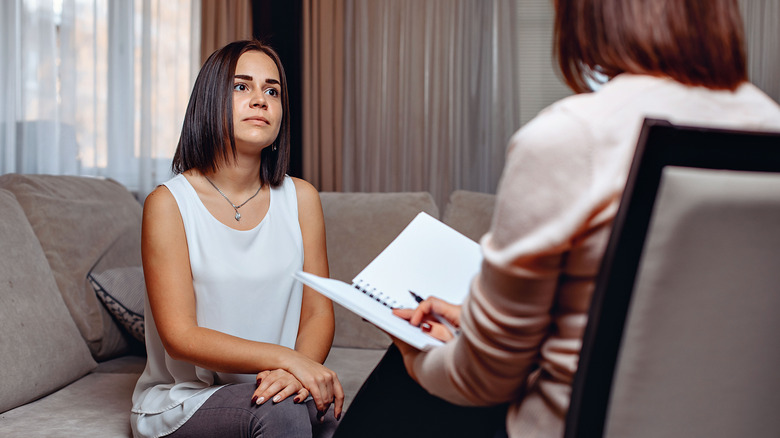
[235, 345]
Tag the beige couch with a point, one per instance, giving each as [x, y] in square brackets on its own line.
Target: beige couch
[68, 356]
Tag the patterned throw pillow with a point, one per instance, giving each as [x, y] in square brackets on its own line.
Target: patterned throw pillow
[122, 291]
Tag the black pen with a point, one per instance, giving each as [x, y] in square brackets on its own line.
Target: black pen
[443, 321]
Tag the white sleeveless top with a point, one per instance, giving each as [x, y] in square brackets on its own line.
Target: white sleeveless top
[243, 287]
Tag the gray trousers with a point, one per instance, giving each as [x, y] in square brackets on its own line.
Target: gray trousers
[229, 412]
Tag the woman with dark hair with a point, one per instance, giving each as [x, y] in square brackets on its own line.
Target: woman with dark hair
[235, 345]
[522, 323]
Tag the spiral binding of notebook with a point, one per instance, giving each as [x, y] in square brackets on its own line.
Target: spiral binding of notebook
[375, 294]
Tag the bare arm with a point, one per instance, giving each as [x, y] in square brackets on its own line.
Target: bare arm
[315, 333]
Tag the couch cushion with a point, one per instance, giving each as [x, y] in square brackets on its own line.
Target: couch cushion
[77, 220]
[41, 349]
[122, 291]
[469, 212]
[96, 406]
[358, 227]
[129, 364]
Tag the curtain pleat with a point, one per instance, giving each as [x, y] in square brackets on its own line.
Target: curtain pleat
[323, 92]
[762, 34]
[223, 21]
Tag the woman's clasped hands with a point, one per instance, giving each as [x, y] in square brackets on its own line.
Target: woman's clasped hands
[305, 377]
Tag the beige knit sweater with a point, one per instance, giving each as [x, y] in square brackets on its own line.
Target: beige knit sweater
[523, 321]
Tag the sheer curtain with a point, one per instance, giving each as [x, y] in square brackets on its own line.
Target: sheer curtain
[95, 87]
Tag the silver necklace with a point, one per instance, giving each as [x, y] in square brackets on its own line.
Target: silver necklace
[235, 207]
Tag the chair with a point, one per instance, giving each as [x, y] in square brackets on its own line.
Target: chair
[683, 338]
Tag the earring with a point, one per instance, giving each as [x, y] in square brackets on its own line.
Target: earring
[274, 147]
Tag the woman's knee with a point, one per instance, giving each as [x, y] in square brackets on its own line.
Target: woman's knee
[230, 412]
[323, 426]
[286, 418]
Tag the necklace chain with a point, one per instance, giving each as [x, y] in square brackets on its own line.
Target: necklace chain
[235, 207]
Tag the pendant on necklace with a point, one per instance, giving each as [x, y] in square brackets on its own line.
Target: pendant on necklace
[238, 216]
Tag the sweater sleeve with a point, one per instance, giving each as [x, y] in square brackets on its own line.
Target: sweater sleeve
[543, 203]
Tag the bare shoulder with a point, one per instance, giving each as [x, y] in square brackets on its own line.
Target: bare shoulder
[304, 188]
[308, 196]
[163, 239]
[161, 213]
[160, 201]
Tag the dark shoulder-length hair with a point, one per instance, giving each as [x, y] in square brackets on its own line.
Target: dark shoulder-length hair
[207, 139]
[695, 42]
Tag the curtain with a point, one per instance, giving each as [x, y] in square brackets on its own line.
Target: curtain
[431, 97]
[28, 108]
[421, 95]
[762, 35]
[222, 22]
[323, 93]
[95, 87]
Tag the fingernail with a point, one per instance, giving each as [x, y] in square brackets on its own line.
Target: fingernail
[320, 415]
[426, 327]
[260, 400]
[257, 382]
[297, 400]
[277, 398]
[338, 417]
[254, 399]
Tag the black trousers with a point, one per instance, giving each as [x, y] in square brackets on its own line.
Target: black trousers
[392, 404]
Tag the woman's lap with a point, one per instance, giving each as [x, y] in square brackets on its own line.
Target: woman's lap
[229, 412]
[390, 404]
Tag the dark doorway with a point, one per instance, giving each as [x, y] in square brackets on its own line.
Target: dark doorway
[278, 23]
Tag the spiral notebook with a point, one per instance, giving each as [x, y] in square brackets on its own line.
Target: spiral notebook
[427, 257]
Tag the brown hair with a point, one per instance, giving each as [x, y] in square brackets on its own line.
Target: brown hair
[694, 42]
[207, 138]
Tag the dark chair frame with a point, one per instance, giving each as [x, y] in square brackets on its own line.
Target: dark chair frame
[660, 144]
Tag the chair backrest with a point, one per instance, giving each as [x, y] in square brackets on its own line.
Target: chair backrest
[683, 337]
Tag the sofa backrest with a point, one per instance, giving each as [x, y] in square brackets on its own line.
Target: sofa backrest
[82, 224]
[469, 212]
[41, 349]
[90, 225]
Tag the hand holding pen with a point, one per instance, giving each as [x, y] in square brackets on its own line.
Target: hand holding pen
[433, 309]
